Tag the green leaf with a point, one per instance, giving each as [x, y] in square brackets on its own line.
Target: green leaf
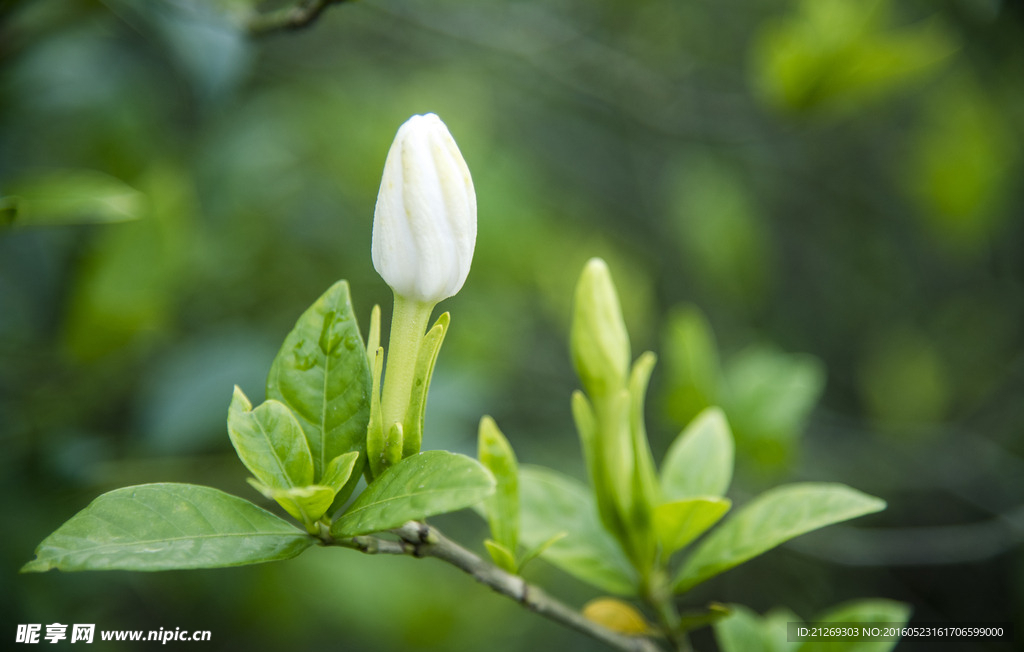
[339, 471]
[502, 508]
[770, 519]
[322, 374]
[862, 612]
[434, 482]
[744, 631]
[700, 460]
[552, 504]
[167, 526]
[306, 504]
[678, 523]
[501, 555]
[270, 443]
[72, 197]
[429, 349]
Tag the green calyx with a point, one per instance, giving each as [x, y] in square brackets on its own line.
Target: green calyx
[395, 430]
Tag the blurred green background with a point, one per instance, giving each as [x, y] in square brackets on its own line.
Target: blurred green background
[813, 211]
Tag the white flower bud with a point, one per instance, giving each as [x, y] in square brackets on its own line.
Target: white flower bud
[424, 226]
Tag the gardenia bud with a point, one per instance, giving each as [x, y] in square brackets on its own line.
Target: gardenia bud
[424, 226]
[598, 338]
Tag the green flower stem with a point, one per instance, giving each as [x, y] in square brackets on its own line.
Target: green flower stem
[658, 594]
[408, 325]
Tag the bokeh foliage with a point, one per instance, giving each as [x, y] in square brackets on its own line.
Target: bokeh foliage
[812, 207]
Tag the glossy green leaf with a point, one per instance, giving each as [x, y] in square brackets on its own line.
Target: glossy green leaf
[502, 508]
[322, 374]
[700, 460]
[339, 470]
[434, 482]
[678, 523]
[552, 504]
[430, 347]
[270, 442]
[72, 197]
[770, 519]
[168, 526]
[862, 612]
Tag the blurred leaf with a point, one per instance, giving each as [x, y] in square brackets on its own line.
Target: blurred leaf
[700, 460]
[502, 556]
[206, 42]
[434, 482]
[962, 164]
[502, 508]
[770, 519]
[322, 374]
[861, 612]
[696, 618]
[270, 443]
[741, 632]
[833, 56]
[617, 616]
[538, 550]
[130, 275]
[771, 395]
[904, 381]
[720, 231]
[553, 504]
[167, 526]
[678, 523]
[71, 197]
[691, 354]
[744, 631]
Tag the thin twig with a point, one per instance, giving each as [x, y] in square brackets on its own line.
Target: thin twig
[297, 16]
[421, 540]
